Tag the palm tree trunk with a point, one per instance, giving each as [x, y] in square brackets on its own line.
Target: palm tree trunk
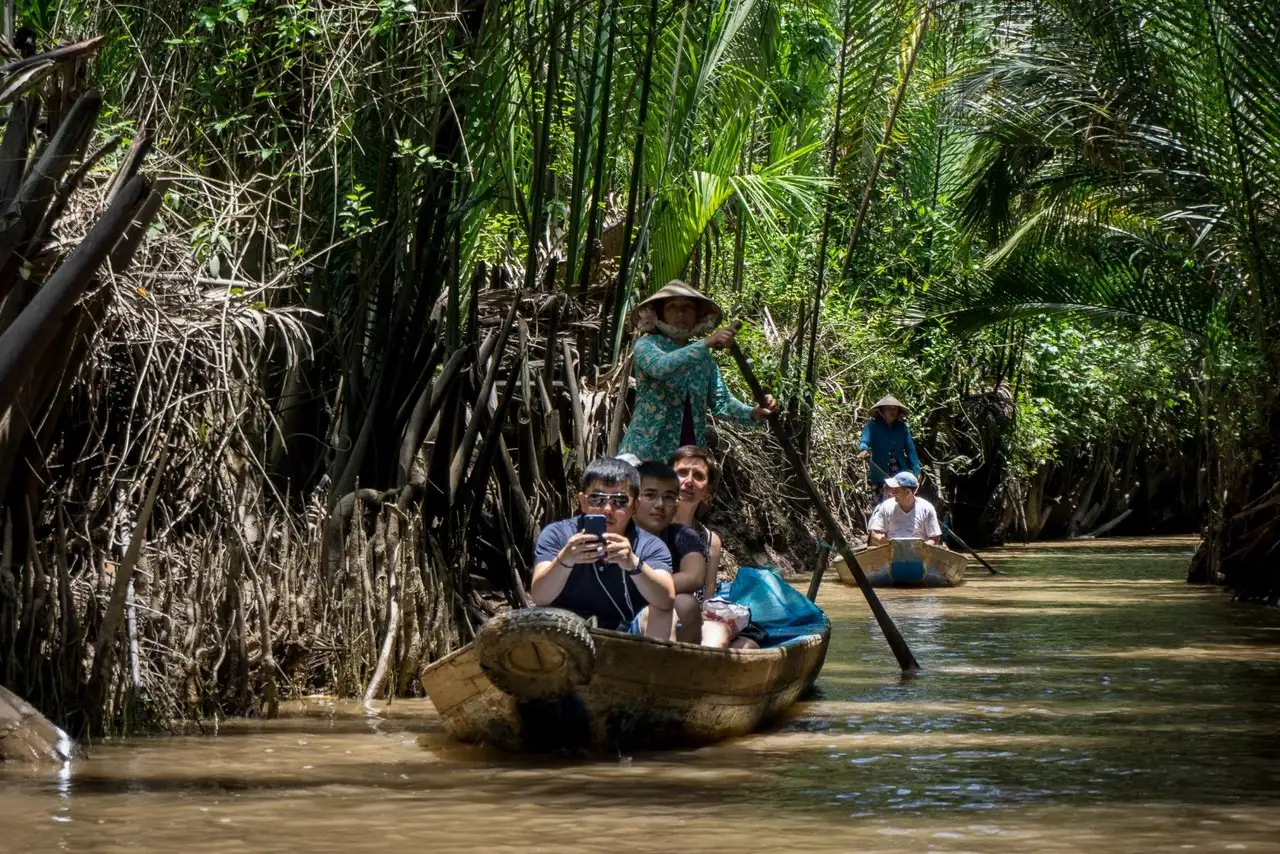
[885, 138]
[615, 313]
[599, 179]
[832, 160]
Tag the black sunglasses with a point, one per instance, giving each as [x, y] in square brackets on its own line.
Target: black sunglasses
[600, 499]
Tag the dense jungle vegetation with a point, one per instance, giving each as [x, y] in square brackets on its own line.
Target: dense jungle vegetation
[301, 436]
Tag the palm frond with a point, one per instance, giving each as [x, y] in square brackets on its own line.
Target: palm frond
[1142, 141]
[1061, 283]
[769, 195]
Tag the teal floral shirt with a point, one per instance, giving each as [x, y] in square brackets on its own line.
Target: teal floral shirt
[666, 376]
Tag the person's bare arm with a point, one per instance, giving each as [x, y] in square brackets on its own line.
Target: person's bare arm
[549, 579]
[713, 565]
[877, 525]
[933, 529]
[692, 573]
[550, 576]
[655, 585]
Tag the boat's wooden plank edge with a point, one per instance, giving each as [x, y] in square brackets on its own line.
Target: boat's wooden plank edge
[468, 680]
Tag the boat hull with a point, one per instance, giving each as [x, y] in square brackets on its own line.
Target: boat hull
[907, 563]
[644, 694]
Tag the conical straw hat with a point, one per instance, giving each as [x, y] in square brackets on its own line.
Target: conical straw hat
[647, 310]
[890, 400]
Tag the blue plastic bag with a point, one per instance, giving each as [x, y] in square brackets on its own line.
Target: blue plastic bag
[781, 611]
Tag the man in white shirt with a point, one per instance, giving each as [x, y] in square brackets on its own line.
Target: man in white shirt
[903, 516]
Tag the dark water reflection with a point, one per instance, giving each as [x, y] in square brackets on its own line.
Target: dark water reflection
[1087, 700]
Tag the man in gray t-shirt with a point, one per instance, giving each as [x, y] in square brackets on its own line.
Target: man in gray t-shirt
[616, 576]
[903, 516]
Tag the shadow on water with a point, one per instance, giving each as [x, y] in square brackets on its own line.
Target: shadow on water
[1084, 700]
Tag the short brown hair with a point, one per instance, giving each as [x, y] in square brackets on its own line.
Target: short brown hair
[696, 452]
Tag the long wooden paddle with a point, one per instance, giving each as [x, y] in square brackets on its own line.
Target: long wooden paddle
[961, 543]
[819, 570]
[835, 534]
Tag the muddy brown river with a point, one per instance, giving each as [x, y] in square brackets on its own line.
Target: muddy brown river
[1086, 700]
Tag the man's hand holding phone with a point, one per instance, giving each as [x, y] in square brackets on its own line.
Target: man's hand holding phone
[581, 548]
[617, 550]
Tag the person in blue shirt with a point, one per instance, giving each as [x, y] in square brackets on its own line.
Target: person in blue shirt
[614, 578]
[886, 439]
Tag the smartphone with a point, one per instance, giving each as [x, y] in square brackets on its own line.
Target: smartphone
[592, 524]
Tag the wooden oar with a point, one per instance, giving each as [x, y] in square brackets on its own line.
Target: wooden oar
[835, 535]
[961, 543]
[819, 570]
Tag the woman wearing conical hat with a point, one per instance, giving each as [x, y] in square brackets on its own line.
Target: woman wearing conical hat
[677, 382]
[886, 438]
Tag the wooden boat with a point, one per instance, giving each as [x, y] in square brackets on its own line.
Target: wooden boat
[28, 736]
[639, 693]
[907, 563]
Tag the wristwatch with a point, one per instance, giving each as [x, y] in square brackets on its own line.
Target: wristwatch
[636, 571]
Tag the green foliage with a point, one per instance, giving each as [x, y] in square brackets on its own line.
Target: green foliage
[500, 240]
[1074, 205]
[1083, 387]
[355, 218]
[1126, 165]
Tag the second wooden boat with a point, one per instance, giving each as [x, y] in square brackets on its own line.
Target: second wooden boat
[907, 563]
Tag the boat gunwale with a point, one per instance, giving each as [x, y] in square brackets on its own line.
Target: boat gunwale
[799, 641]
[797, 646]
[845, 576]
[746, 654]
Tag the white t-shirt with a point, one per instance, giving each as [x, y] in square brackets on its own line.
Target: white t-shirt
[921, 522]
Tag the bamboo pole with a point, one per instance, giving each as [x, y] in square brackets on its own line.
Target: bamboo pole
[835, 535]
[991, 569]
[819, 569]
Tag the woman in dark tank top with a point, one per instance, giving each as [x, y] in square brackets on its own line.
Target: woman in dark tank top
[698, 474]
[682, 540]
